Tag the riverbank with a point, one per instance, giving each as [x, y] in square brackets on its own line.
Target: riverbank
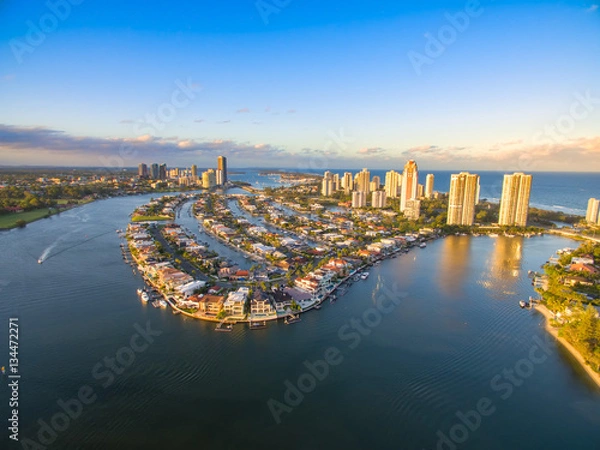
[554, 332]
[21, 219]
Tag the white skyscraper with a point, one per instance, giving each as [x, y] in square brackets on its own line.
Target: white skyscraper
[348, 182]
[514, 205]
[429, 185]
[392, 183]
[363, 181]
[327, 187]
[359, 199]
[462, 198]
[378, 199]
[592, 211]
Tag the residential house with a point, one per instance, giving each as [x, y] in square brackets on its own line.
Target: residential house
[211, 305]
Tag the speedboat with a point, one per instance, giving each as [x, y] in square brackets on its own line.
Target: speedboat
[422, 245]
[162, 303]
[145, 297]
[40, 261]
[139, 291]
[364, 276]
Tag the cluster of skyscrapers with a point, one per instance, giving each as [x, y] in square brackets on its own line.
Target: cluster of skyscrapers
[464, 196]
[404, 185]
[152, 172]
[592, 216]
[186, 177]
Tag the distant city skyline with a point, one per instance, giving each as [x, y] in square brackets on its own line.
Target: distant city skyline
[314, 86]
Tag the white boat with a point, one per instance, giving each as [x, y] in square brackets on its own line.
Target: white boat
[492, 235]
[162, 303]
[40, 261]
[422, 245]
[364, 275]
[145, 297]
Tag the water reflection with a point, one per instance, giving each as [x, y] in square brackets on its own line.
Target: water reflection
[504, 265]
[454, 264]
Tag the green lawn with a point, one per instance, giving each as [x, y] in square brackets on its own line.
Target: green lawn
[10, 220]
[149, 218]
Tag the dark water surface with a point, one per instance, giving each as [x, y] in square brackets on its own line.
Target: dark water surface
[456, 327]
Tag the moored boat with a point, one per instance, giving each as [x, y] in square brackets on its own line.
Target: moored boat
[145, 297]
[224, 327]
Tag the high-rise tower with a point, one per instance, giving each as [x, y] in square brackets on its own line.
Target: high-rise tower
[514, 204]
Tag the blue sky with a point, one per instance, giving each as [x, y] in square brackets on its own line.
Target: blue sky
[310, 84]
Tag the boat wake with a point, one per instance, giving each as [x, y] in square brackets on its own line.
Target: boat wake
[47, 253]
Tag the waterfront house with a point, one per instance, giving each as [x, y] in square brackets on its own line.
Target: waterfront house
[308, 283]
[282, 300]
[573, 280]
[297, 295]
[364, 253]
[211, 305]
[260, 306]
[188, 289]
[172, 278]
[584, 259]
[235, 304]
[263, 249]
[584, 267]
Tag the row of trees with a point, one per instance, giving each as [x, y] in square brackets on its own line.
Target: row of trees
[584, 334]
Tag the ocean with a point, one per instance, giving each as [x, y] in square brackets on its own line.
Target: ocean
[556, 191]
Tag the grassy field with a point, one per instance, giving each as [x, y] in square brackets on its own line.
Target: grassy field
[10, 220]
[149, 218]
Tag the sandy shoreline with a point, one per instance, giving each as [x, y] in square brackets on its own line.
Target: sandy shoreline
[554, 332]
